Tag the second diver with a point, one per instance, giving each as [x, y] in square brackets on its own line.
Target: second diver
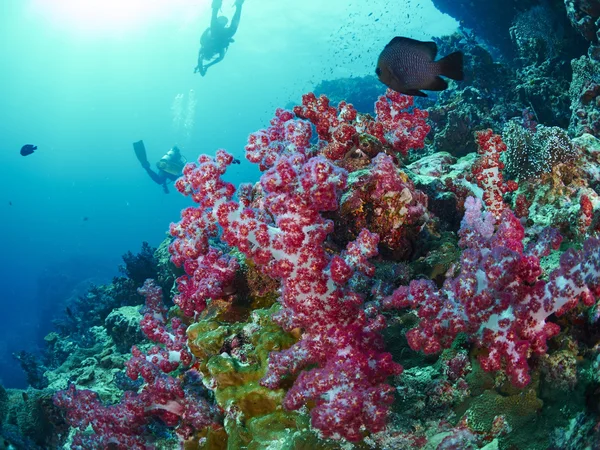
[215, 40]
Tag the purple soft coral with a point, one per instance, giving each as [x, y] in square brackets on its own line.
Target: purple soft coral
[498, 298]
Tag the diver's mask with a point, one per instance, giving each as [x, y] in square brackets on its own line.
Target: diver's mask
[172, 162]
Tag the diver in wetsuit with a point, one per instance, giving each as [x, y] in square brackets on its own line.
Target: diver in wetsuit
[216, 39]
[170, 166]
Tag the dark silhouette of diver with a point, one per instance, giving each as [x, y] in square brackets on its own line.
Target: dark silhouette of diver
[216, 39]
[170, 166]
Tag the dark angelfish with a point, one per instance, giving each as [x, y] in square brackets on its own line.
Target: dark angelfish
[409, 66]
[28, 149]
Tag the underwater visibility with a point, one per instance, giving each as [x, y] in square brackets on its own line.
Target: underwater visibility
[309, 225]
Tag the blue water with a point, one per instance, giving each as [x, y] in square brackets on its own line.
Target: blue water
[83, 82]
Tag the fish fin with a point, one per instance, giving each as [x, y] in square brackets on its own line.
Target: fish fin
[451, 66]
[414, 92]
[437, 84]
[429, 48]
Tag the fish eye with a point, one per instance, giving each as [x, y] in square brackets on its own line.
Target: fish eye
[378, 71]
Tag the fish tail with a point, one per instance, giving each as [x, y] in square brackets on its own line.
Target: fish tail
[451, 66]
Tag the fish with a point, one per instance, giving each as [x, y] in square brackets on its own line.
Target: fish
[408, 66]
[28, 149]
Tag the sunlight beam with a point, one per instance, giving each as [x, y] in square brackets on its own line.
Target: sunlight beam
[114, 16]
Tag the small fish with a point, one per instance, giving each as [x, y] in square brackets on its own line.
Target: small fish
[28, 149]
[25, 396]
[85, 219]
[70, 313]
[407, 66]
[9, 203]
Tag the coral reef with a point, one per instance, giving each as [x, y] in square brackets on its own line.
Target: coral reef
[403, 275]
[487, 19]
[283, 333]
[584, 93]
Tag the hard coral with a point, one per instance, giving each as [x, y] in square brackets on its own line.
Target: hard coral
[585, 97]
[566, 197]
[141, 266]
[531, 154]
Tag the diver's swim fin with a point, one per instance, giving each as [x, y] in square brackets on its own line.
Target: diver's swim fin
[140, 151]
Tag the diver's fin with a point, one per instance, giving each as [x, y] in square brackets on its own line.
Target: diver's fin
[140, 151]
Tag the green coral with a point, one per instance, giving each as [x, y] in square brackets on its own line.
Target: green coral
[233, 357]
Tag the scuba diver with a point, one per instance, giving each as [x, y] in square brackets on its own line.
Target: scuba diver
[170, 166]
[216, 39]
